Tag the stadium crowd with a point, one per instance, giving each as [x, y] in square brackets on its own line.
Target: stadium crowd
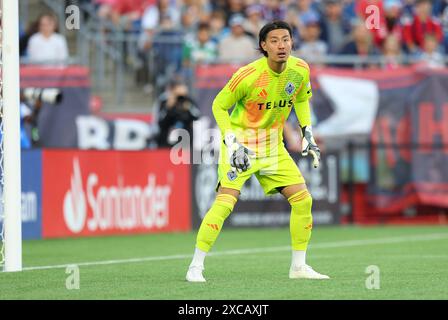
[177, 34]
[227, 29]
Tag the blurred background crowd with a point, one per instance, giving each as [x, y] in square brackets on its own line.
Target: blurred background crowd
[179, 33]
[157, 43]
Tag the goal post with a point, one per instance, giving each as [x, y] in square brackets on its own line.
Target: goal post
[10, 111]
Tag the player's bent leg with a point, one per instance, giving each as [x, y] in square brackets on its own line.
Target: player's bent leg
[209, 230]
[301, 224]
[212, 223]
[301, 220]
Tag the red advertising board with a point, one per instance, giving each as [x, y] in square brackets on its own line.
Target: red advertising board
[113, 192]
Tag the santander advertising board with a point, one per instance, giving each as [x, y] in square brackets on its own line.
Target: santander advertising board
[114, 192]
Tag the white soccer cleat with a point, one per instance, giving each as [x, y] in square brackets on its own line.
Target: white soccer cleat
[305, 272]
[194, 274]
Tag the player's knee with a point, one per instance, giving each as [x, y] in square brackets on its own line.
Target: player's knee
[303, 200]
[302, 196]
[226, 200]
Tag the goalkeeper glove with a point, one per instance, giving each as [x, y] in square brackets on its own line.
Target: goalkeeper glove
[310, 146]
[239, 155]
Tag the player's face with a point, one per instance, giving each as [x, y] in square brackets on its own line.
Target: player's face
[278, 45]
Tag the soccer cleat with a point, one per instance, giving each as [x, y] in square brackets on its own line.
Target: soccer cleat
[305, 272]
[194, 274]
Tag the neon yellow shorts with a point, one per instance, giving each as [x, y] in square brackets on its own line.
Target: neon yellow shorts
[272, 172]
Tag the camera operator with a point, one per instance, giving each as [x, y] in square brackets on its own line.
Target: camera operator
[177, 110]
[29, 112]
[31, 102]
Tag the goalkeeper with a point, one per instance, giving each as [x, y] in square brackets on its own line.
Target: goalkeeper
[263, 94]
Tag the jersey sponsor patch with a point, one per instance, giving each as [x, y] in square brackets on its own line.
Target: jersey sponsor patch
[290, 88]
[231, 175]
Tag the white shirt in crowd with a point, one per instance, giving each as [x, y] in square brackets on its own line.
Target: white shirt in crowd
[233, 48]
[42, 49]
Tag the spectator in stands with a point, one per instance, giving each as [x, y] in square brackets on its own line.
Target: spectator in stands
[219, 5]
[292, 18]
[188, 22]
[421, 24]
[233, 7]
[218, 27]
[200, 10]
[151, 24]
[237, 46]
[152, 15]
[254, 21]
[47, 46]
[361, 44]
[305, 10]
[349, 10]
[105, 8]
[128, 13]
[201, 49]
[32, 29]
[274, 10]
[177, 110]
[430, 56]
[167, 49]
[408, 7]
[312, 48]
[392, 52]
[298, 12]
[438, 6]
[335, 30]
[391, 24]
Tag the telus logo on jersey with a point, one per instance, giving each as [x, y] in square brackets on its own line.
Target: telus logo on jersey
[114, 207]
[275, 104]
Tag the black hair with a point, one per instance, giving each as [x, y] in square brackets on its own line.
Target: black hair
[204, 26]
[274, 25]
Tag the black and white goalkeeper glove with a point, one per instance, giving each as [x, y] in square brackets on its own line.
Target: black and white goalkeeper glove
[309, 146]
[239, 155]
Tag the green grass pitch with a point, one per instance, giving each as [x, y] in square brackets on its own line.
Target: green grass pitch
[246, 264]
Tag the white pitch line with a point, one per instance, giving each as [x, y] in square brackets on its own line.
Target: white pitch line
[339, 244]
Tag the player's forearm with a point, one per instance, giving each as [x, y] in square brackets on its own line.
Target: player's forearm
[303, 113]
[222, 118]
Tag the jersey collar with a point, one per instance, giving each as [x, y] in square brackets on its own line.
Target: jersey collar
[272, 72]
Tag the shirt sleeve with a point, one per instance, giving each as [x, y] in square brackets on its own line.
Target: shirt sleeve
[302, 105]
[303, 113]
[305, 91]
[234, 91]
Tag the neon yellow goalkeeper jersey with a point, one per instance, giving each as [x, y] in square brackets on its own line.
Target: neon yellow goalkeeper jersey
[262, 101]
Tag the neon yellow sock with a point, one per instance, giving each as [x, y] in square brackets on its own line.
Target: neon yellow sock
[212, 223]
[301, 221]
